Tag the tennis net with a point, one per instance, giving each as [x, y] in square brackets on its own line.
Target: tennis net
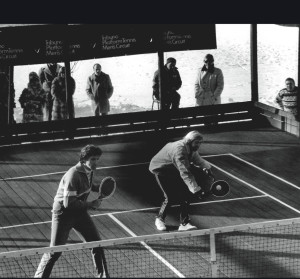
[268, 249]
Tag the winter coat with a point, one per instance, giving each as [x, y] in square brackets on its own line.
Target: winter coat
[58, 92]
[99, 89]
[208, 87]
[171, 82]
[32, 100]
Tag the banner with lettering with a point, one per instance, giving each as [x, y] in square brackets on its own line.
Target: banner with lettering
[33, 44]
[60, 42]
[122, 39]
[179, 37]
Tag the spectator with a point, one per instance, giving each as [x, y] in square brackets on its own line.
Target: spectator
[59, 94]
[287, 98]
[99, 89]
[209, 83]
[47, 75]
[33, 100]
[171, 82]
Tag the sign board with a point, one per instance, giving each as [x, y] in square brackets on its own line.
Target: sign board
[38, 44]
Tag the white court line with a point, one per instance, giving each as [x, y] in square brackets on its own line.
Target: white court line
[269, 173]
[61, 172]
[164, 261]
[250, 185]
[135, 210]
[99, 168]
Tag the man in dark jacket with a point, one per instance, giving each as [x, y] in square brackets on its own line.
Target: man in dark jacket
[171, 82]
[99, 89]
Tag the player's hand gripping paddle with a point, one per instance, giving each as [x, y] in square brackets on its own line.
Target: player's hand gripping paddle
[107, 188]
[219, 188]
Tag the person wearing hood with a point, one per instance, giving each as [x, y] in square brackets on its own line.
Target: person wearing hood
[99, 89]
[33, 100]
[171, 83]
[177, 168]
[47, 74]
[59, 95]
[209, 83]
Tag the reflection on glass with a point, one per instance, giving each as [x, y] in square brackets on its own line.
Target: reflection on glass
[22, 82]
[132, 76]
[232, 56]
[277, 53]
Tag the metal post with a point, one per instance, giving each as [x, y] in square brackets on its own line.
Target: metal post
[298, 97]
[213, 256]
[254, 71]
[161, 81]
[11, 94]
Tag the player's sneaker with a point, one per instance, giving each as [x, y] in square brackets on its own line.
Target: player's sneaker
[160, 224]
[186, 227]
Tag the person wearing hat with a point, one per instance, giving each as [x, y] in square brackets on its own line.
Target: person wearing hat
[176, 168]
[171, 83]
[209, 83]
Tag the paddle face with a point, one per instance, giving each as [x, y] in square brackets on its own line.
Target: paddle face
[107, 188]
[220, 188]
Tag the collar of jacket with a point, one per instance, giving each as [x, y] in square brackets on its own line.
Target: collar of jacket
[166, 68]
[211, 70]
[188, 148]
[80, 167]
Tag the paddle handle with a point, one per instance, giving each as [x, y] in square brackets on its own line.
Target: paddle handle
[209, 173]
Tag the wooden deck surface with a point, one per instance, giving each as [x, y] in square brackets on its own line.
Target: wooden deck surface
[261, 165]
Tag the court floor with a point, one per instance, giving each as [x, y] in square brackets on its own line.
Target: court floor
[261, 167]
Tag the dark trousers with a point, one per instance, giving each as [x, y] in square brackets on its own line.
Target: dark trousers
[62, 223]
[172, 100]
[175, 191]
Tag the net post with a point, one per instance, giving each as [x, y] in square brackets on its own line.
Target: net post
[213, 256]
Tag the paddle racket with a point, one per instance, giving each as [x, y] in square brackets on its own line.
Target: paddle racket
[219, 188]
[107, 188]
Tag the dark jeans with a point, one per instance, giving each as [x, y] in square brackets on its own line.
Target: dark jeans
[62, 223]
[176, 191]
[172, 100]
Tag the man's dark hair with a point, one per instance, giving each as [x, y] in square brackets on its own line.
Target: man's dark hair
[209, 57]
[171, 60]
[290, 79]
[89, 151]
[96, 64]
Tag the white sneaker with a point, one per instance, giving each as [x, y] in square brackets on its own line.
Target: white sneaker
[186, 227]
[160, 225]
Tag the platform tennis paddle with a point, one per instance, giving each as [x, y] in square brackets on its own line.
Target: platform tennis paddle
[107, 188]
[218, 188]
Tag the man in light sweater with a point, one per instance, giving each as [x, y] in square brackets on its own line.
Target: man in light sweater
[70, 211]
[178, 168]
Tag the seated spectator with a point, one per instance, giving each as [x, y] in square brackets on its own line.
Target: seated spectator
[59, 95]
[33, 100]
[287, 97]
[171, 83]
